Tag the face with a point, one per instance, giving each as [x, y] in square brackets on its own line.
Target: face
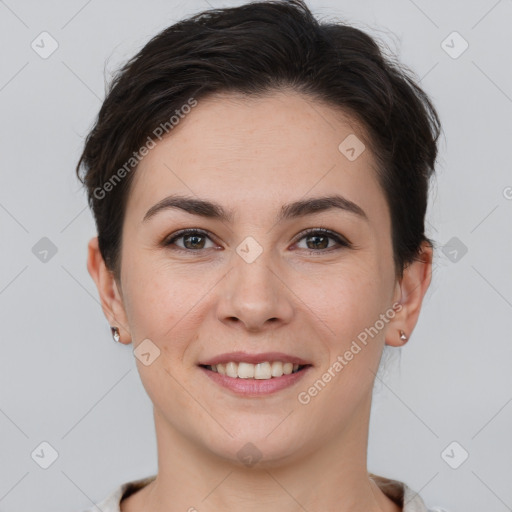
[268, 277]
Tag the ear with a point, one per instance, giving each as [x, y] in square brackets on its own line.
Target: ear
[110, 296]
[409, 293]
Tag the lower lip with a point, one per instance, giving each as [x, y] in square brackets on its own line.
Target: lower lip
[255, 387]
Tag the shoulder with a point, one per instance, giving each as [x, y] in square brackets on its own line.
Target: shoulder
[111, 503]
[403, 495]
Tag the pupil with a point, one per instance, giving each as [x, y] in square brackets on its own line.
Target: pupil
[188, 237]
[323, 246]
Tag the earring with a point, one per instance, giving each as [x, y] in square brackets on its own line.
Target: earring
[403, 336]
[115, 333]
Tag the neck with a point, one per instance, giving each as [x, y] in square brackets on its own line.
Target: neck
[331, 475]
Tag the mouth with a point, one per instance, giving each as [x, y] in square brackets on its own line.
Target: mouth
[257, 379]
[265, 370]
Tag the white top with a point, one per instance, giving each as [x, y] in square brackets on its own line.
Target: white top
[394, 489]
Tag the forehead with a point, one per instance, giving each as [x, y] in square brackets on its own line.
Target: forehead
[258, 151]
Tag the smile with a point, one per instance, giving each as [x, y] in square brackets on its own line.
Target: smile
[261, 371]
[255, 380]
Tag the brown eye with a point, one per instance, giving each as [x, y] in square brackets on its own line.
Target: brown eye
[193, 240]
[317, 240]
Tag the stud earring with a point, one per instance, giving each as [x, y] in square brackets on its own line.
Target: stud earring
[403, 336]
[115, 333]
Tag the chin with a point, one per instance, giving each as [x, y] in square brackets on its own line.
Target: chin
[260, 450]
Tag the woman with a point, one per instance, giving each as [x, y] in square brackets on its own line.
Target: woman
[259, 183]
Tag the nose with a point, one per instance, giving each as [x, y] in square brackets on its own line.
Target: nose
[255, 295]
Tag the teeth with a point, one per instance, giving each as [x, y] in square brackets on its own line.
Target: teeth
[246, 370]
[231, 370]
[261, 371]
[277, 369]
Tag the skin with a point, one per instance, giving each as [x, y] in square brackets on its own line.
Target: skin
[299, 296]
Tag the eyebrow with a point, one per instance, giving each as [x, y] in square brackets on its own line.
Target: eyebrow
[300, 208]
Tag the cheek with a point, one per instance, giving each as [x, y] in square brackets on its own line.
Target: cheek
[164, 305]
[153, 302]
[352, 308]
[351, 299]
[352, 305]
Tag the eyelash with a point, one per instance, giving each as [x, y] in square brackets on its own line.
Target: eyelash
[341, 241]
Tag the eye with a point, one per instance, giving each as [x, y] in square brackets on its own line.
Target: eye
[193, 240]
[318, 240]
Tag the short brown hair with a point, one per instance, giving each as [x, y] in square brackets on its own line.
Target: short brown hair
[254, 49]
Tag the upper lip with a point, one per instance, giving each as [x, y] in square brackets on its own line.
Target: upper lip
[244, 357]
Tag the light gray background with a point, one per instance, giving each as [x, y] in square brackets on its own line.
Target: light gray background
[63, 380]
